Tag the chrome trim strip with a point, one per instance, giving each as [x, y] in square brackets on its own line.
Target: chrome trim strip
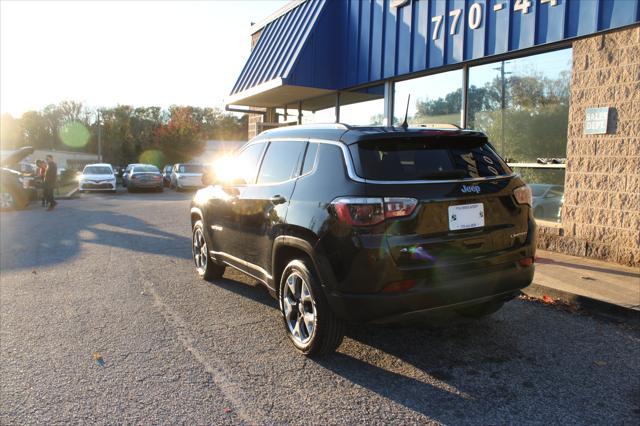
[353, 176]
[243, 263]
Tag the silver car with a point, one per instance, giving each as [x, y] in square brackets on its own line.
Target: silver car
[547, 201]
[144, 176]
[186, 176]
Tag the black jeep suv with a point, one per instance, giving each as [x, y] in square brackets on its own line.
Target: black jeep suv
[375, 224]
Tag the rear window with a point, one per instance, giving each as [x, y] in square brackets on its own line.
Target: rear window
[423, 159]
[145, 169]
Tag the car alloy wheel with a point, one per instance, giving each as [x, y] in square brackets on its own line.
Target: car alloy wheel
[200, 256]
[299, 309]
[6, 200]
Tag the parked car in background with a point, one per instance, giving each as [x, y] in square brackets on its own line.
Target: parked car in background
[186, 176]
[97, 177]
[547, 201]
[16, 189]
[126, 172]
[145, 176]
[374, 224]
[166, 175]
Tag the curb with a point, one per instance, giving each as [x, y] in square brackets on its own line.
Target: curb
[69, 195]
[609, 309]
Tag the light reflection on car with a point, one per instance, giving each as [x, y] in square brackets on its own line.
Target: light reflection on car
[547, 201]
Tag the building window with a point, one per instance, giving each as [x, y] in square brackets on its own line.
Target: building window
[363, 107]
[523, 106]
[435, 99]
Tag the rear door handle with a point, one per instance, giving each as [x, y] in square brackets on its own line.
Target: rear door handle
[278, 199]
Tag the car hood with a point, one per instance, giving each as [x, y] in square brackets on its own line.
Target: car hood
[98, 177]
[15, 157]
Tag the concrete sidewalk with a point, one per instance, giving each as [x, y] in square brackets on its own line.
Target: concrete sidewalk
[577, 279]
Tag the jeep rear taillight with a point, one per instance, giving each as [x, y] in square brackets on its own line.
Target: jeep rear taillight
[363, 211]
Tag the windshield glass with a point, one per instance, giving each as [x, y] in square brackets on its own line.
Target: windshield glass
[97, 170]
[190, 168]
[426, 159]
[145, 169]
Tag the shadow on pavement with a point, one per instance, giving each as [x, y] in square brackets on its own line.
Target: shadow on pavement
[32, 239]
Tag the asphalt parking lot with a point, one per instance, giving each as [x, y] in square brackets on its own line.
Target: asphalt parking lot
[103, 320]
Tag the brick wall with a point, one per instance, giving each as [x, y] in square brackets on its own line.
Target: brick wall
[601, 214]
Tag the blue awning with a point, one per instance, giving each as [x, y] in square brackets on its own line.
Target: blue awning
[319, 47]
[274, 75]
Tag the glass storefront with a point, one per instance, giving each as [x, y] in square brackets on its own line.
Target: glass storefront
[363, 107]
[434, 99]
[523, 106]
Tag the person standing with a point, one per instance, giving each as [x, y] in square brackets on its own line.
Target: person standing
[40, 172]
[50, 178]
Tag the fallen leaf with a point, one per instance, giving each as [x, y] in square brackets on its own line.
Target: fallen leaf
[600, 363]
[98, 359]
[228, 410]
[547, 299]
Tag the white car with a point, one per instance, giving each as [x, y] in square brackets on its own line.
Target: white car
[186, 176]
[97, 177]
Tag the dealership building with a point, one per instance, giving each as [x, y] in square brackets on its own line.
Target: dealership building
[555, 84]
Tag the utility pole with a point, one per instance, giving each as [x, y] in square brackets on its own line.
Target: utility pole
[503, 85]
[99, 138]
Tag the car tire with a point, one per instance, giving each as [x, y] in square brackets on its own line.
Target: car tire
[206, 267]
[481, 310]
[299, 290]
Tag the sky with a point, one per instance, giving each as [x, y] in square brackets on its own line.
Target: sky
[105, 53]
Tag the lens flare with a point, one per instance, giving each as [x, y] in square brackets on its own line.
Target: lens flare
[226, 169]
[74, 134]
[153, 156]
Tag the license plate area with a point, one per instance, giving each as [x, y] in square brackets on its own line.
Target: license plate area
[466, 216]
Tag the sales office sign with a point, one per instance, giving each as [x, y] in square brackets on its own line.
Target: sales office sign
[475, 14]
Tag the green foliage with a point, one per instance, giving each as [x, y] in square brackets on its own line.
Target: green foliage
[127, 133]
[532, 124]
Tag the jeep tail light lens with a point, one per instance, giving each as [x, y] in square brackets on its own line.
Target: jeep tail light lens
[361, 211]
[522, 195]
[399, 207]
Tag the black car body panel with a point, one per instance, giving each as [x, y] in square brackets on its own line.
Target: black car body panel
[12, 180]
[255, 227]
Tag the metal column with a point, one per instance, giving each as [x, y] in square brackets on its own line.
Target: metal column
[464, 109]
[388, 103]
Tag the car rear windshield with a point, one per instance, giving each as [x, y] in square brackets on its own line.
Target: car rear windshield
[145, 169]
[97, 170]
[190, 168]
[425, 159]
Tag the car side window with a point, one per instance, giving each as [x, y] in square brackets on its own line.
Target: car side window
[281, 162]
[247, 162]
[309, 158]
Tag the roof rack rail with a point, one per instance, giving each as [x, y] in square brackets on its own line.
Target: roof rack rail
[440, 125]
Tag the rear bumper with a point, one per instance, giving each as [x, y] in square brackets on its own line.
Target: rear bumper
[464, 288]
[146, 185]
